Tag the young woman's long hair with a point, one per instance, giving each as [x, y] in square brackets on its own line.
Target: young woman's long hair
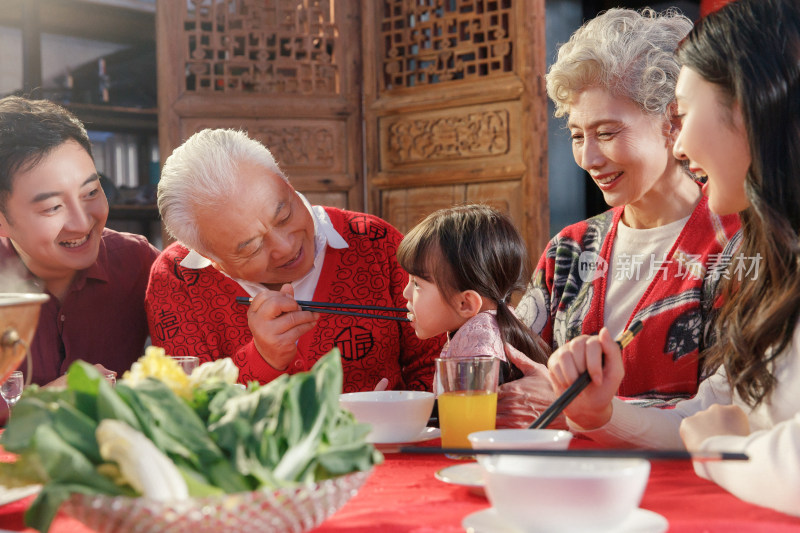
[757, 67]
[475, 247]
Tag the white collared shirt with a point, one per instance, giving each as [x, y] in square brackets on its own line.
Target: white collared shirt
[324, 235]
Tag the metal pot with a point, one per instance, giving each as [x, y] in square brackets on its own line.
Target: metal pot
[19, 314]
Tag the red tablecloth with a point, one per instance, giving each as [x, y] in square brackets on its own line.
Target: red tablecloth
[402, 495]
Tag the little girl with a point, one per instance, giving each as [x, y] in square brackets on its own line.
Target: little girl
[464, 263]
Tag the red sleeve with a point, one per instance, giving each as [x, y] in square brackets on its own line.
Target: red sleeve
[194, 312]
[543, 280]
[253, 367]
[171, 315]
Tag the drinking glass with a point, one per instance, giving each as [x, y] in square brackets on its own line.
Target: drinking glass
[467, 396]
[11, 389]
[187, 362]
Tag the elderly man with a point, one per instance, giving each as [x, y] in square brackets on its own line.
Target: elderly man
[244, 231]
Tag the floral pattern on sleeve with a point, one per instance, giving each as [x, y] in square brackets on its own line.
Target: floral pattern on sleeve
[480, 335]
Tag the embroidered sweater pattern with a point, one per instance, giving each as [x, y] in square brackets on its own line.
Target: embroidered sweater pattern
[194, 312]
[566, 298]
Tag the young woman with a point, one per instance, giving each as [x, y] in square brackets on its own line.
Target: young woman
[464, 265]
[737, 98]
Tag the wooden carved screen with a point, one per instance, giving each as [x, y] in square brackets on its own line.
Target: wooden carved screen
[286, 71]
[456, 109]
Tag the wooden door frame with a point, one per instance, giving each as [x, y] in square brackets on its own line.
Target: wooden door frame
[528, 86]
[176, 105]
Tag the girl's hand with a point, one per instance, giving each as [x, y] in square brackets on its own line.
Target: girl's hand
[716, 420]
[591, 409]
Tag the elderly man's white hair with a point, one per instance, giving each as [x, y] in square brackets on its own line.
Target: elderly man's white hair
[202, 173]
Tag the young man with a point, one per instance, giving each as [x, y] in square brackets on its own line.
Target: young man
[244, 231]
[52, 235]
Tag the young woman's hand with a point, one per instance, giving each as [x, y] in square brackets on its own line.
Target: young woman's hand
[716, 420]
[599, 354]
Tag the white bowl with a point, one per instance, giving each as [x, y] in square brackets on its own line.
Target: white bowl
[395, 416]
[565, 494]
[524, 439]
[520, 439]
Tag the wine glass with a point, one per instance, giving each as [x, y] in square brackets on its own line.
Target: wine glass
[11, 389]
[187, 362]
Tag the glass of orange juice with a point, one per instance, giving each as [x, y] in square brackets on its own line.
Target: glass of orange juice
[467, 396]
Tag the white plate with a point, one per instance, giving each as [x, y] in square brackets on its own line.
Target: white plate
[11, 495]
[640, 521]
[392, 447]
[467, 474]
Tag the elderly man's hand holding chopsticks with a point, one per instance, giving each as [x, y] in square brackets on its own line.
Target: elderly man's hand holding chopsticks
[602, 357]
[277, 322]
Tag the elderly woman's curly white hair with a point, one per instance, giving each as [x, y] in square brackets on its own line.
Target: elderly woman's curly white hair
[629, 53]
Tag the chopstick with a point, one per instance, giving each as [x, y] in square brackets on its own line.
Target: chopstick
[555, 409]
[354, 306]
[353, 313]
[662, 455]
[322, 307]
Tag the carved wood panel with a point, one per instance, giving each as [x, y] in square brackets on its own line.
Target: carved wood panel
[455, 138]
[447, 136]
[453, 92]
[444, 40]
[283, 46]
[456, 109]
[407, 207]
[287, 71]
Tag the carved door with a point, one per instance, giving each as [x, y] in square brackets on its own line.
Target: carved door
[455, 109]
[286, 71]
[453, 92]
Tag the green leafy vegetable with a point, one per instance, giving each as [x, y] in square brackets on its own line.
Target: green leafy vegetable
[293, 429]
[222, 439]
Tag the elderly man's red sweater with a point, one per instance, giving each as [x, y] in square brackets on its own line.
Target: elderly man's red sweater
[194, 312]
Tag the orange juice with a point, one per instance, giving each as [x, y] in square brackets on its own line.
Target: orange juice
[462, 412]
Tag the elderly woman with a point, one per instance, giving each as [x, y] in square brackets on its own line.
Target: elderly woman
[652, 256]
[737, 97]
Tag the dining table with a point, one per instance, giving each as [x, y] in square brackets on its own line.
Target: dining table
[404, 494]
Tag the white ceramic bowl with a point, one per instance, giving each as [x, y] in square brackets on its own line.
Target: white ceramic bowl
[526, 439]
[565, 494]
[395, 416]
[521, 439]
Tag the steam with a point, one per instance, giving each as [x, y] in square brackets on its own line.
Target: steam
[15, 278]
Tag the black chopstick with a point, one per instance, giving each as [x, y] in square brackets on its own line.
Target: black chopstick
[664, 455]
[353, 313]
[247, 300]
[321, 307]
[555, 409]
[354, 306]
